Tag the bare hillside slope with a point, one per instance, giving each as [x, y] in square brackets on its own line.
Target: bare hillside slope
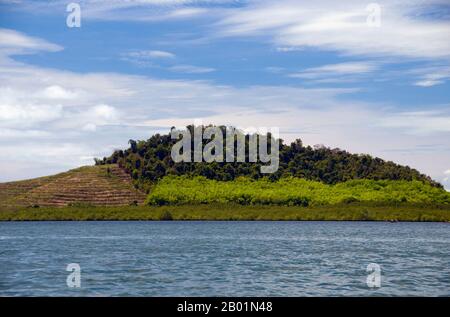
[106, 185]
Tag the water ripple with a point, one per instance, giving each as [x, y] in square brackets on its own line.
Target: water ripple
[224, 258]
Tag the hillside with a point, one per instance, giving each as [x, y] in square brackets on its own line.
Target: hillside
[150, 160]
[306, 177]
[106, 185]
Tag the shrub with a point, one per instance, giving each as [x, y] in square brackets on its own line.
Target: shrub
[166, 216]
[351, 199]
[181, 190]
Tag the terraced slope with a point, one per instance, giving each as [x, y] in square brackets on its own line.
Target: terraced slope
[106, 185]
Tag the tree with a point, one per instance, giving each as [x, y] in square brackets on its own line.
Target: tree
[150, 160]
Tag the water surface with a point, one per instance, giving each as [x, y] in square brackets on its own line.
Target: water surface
[224, 258]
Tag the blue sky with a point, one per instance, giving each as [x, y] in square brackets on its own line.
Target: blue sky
[318, 71]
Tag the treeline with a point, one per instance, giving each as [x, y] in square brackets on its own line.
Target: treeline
[348, 212]
[150, 160]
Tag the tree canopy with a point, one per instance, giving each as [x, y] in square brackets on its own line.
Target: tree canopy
[150, 160]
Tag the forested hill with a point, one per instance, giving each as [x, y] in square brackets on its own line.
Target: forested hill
[150, 160]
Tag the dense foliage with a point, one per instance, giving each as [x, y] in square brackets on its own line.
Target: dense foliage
[150, 160]
[176, 190]
[354, 211]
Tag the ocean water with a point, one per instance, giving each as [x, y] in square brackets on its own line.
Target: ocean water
[224, 258]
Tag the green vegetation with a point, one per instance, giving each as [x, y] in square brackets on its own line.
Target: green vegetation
[351, 212]
[311, 184]
[176, 190]
[149, 161]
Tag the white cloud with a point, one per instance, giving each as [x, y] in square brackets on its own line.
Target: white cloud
[190, 69]
[105, 112]
[346, 68]
[90, 119]
[187, 12]
[150, 54]
[428, 82]
[136, 10]
[22, 133]
[274, 69]
[114, 108]
[17, 115]
[145, 58]
[13, 42]
[342, 27]
[58, 92]
[111, 108]
[332, 71]
[432, 76]
[89, 127]
[446, 180]
[100, 115]
[419, 122]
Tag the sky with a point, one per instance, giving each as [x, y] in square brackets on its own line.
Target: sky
[368, 77]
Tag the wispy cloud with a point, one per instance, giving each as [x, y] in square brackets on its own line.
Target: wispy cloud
[295, 24]
[151, 54]
[419, 122]
[163, 60]
[111, 108]
[13, 115]
[405, 30]
[433, 76]
[191, 69]
[147, 58]
[13, 42]
[336, 72]
[131, 10]
[343, 27]
[63, 117]
[275, 69]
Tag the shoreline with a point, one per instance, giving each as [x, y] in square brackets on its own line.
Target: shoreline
[217, 212]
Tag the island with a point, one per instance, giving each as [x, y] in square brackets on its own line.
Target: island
[144, 182]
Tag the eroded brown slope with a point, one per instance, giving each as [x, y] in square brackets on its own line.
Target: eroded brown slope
[106, 185]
